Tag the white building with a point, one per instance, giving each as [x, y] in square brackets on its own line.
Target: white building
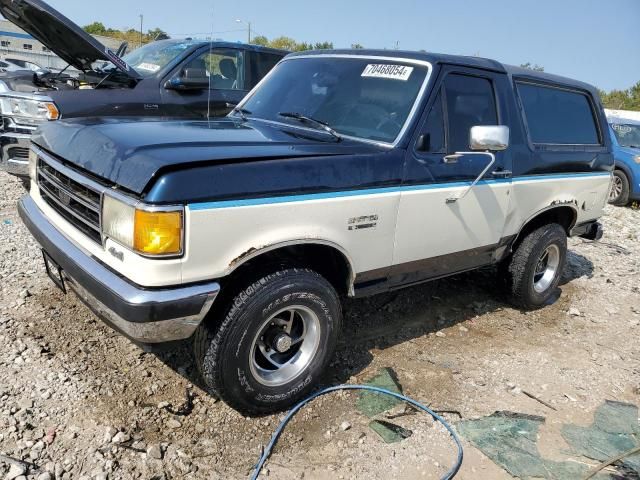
[15, 43]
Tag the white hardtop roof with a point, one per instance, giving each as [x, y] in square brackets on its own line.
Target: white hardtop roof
[622, 116]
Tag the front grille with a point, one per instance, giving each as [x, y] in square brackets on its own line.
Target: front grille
[18, 153]
[77, 203]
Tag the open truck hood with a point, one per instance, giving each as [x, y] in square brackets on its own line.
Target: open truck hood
[61, 35]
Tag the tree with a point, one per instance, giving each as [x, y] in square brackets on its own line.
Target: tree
[284, 43]
[323, 46]
[356, 46]
[158, 34]
[260, 40]
[622, 99]
[126, 34]
[288, 43]
[95, 28]
[534, 67]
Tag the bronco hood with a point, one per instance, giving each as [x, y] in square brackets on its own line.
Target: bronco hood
[131, 152]
[61, 35]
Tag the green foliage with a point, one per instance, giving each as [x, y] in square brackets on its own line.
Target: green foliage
[622, 99]
[288, 43]
[356, 46]
[260, 40]
[130, 35]
[158, 34]
[534, 67]
[95, 28]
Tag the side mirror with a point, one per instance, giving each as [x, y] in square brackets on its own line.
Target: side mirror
[489, 138]
[422, 145]
[191, 79]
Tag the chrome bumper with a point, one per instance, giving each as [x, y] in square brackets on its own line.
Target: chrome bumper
[144, 315]
[10, 143]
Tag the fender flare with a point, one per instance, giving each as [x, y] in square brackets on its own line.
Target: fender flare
[256, 252]
[546, 209]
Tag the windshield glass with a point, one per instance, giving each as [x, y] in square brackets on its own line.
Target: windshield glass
[154, 56]
[628, 135]
[359, 97]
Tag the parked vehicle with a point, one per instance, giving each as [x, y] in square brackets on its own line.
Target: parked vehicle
[24, 64]
[169, 78]
[7, 66]
[343, 173]
[624, 127]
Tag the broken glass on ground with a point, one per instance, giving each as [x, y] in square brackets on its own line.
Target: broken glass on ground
[371, 403]
[510, 440]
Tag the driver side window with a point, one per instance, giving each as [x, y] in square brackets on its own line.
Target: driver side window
[223, 67]
[470, 101]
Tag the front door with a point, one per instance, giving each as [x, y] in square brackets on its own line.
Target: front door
[436, 236]
[225, 69]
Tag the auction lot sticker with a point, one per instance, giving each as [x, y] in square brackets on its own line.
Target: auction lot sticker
[393, 72]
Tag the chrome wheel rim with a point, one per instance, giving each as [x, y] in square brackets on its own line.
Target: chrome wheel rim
[285, 345]
[616, 188]
[546, 268]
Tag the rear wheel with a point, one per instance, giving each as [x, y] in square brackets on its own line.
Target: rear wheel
[535, 268]
[273, 343]
[619, 194]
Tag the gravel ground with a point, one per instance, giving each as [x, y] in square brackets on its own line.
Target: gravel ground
[79, 401]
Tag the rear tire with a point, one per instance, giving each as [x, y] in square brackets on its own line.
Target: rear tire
[620, 189]
[290, 318]
[535, 268]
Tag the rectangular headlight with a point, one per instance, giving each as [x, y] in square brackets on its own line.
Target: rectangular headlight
[28, 108]
[117, 220]
[145, 231]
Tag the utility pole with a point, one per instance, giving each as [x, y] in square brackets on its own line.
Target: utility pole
[141, 19]
[248, 29]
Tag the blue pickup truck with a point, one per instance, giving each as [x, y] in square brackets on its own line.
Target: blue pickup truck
[625, 138]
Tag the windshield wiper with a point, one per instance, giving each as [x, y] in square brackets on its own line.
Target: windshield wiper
[318, 124]
[243, 112]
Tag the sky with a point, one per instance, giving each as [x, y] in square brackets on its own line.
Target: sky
[595, 41]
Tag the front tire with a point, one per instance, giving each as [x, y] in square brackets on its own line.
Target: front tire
[620, 190]
[275, 340]
[535, 268]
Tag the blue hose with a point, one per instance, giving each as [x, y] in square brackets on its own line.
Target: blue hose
[274, 439]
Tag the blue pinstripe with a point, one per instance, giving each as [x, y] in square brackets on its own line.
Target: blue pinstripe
[375, 191]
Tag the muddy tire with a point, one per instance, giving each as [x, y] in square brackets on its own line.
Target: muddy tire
[272, 343]
[619, 194]
[534, 270]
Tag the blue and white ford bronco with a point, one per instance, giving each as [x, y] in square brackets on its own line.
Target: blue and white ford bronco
[343, 173]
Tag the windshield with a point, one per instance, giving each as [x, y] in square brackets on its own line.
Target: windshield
[154, 56]
[628, 135]
[360, 97]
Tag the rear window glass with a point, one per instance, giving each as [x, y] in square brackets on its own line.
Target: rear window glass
[556, 116]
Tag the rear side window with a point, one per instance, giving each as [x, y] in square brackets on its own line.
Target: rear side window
[556, 116]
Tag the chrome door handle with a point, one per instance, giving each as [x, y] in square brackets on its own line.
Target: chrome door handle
[502, 173]
[453, 158]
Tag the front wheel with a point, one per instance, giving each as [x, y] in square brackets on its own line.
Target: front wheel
[535, 268]
[273, 343]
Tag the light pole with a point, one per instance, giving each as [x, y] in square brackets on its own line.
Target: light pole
[141, 19]
[248, 24]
